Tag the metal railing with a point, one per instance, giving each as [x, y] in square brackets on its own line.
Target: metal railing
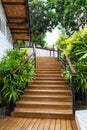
[44, 51]
[66, 62]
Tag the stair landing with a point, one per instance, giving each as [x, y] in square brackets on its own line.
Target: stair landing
[14, 123]
[48, 95]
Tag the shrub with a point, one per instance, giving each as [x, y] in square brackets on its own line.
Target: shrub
[11, 85]
[76, 48]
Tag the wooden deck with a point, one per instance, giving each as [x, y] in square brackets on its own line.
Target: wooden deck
[12, 123]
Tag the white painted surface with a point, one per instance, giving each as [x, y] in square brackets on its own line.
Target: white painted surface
[81, 119]
[43, 52]
[6, 41]
[2, 13]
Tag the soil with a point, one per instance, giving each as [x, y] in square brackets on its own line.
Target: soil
[81, 105]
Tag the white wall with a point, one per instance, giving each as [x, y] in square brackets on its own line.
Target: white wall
[6, 41]
[43, 52]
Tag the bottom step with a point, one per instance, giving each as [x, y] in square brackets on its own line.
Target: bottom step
[43, 113]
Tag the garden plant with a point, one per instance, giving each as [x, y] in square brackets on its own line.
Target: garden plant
[12, 85]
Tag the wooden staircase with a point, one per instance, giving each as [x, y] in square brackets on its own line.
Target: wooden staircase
[48, 96]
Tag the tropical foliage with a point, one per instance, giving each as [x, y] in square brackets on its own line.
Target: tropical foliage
[45, 15]
[11, 85]
[41, 20]
[70, 14]
[76, 48]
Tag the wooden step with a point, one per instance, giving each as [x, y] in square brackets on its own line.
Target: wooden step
[49, 87]
[47, 92]
[48, 82]
[47, 69]
[48, 72]
[49, 78]
[42, 64]
[44, 104]
[48, 63]
[43, 113]
[59, 98]
[49, 75]
[50, 67]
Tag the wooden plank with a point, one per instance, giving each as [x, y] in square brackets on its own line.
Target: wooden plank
[37, 124]
[70, 65]
[14, 123]
[13, 3]
[52, 125]
[68, 125]
[31, 124]
[74, 127]
[2, 121]
[26, 123]
[15, 10]
[63, 125]
[35, 127]
[17, 1]
[21, 36]
[20, 122]
[22, 63]
[41, 125]
[6, 124]
[47, 124]
[57, 126]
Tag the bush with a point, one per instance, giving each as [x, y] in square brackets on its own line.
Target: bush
[12, 85]
[76, 48]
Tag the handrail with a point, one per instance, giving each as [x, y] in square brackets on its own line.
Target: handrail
[25, 60]
[66, 59]
[22, 63]
[52, 51]
[34, 50]
[70, 65]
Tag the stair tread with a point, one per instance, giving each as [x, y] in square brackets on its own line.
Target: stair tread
[38, 90]
[43, 110]
[48, 88]
[44, 102]
[50, 67]
[47, 96]
[46, 78]
[47, 69]
[51, 85]
[48, 74]
[48, 81]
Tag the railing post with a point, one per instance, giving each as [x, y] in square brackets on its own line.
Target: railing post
[64, 62]
[53, 50]
[50, 52]
[58, 54]
[73, 92]
[34, 50]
